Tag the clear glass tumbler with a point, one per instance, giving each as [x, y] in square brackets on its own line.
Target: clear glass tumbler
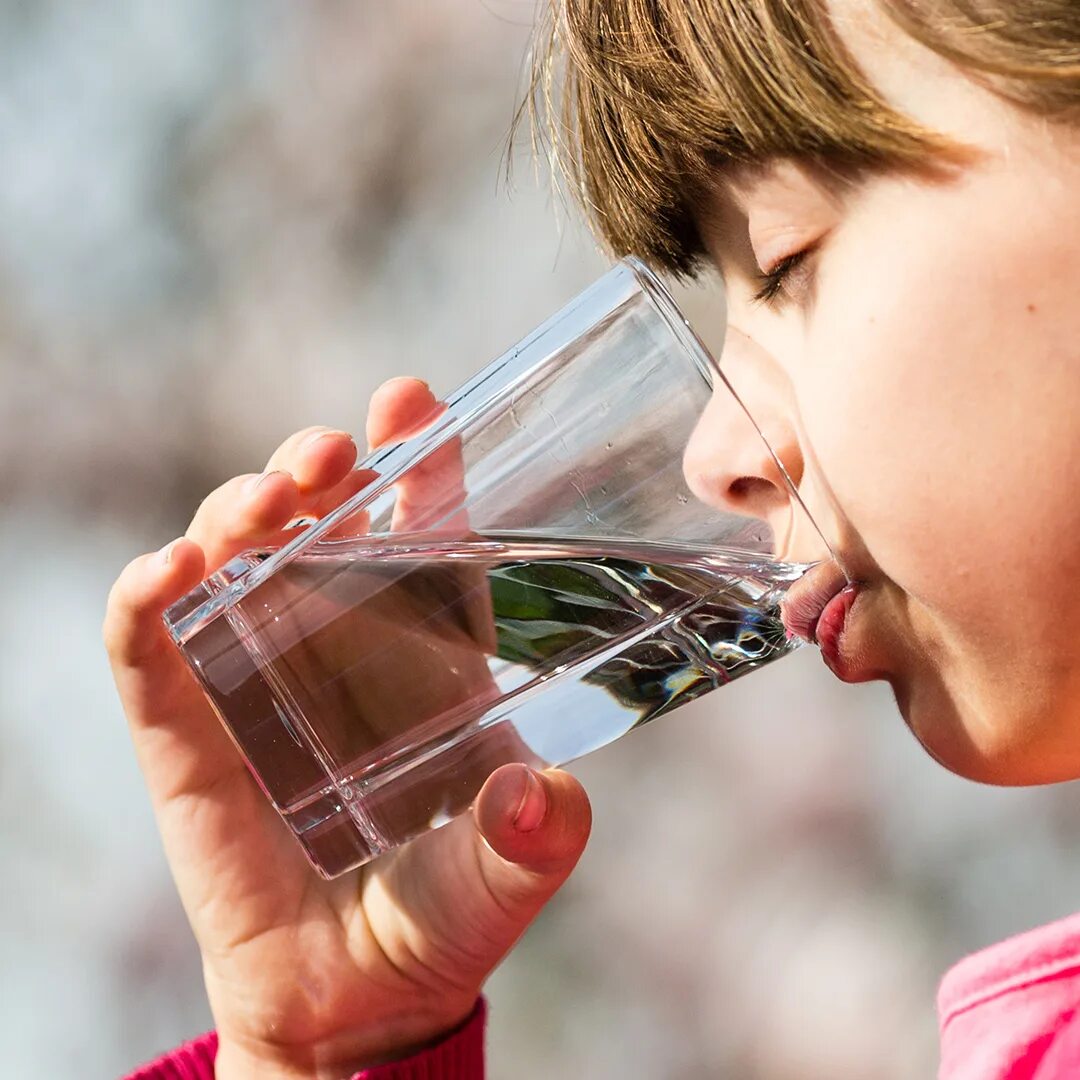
[525, 579]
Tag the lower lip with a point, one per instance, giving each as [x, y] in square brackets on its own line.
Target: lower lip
[829, 631]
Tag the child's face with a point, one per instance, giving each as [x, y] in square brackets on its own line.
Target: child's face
[920, 376]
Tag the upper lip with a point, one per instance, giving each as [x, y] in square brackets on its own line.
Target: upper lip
[806, 599]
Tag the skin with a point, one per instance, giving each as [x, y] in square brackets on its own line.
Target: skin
[920, 381]
[919, 377]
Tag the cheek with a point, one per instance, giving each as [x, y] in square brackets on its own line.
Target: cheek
[939, 391]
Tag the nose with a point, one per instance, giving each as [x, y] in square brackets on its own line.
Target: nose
[727, 463]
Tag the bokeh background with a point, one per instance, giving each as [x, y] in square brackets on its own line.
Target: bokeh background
[220, 222]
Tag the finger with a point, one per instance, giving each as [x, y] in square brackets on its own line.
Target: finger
[399, 409]
[317, 458]
[133, 631]
[179, 742]
[432, 493]
[224, 842]
[302, 478]
[471, 889]
[316, 507]
[243, 513]
[532, 828]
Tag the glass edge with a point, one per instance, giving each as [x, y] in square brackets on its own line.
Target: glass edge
[660, 296]
[664, 302]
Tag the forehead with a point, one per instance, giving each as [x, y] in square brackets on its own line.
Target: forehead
[911, 78]
[915, 80]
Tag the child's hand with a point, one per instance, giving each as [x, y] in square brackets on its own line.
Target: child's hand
[308, 978]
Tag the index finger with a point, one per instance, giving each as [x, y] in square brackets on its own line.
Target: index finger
[180, 743]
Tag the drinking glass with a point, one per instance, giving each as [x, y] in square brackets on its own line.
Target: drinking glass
[526, 578]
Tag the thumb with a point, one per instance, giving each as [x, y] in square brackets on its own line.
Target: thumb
[534, 826]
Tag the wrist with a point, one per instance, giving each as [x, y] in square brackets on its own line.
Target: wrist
[243, 1059]
[238, 1063]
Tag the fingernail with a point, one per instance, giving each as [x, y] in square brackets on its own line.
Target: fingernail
[166, 553]
[318, 436]
[533, 805]
[255, 482]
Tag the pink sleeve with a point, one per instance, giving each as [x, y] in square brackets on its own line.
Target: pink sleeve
[1010, 1011]
[1063, 1056]
[460, 1056]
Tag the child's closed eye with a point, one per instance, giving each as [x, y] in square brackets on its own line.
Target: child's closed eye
[789, 279]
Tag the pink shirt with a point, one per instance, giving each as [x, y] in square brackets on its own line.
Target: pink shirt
[1010, 1012]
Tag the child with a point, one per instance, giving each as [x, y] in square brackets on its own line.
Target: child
[891, 191]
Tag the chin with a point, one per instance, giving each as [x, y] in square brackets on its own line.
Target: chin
[1008, 754]
[1005, 751]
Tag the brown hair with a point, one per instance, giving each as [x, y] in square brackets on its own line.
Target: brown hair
[644, 100]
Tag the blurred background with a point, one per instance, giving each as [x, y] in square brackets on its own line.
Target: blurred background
[223, 222]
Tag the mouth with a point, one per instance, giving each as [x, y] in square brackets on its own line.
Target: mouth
[816, 609]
